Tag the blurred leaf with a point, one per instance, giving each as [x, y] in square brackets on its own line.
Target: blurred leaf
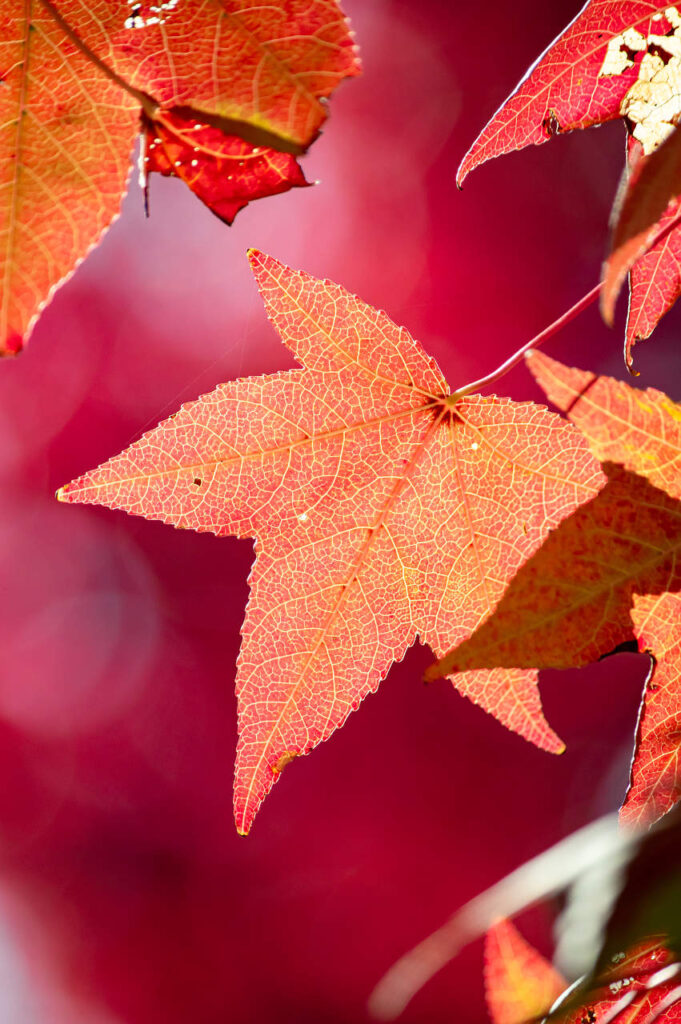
[519, 982]
[596, 852]
[621, 927]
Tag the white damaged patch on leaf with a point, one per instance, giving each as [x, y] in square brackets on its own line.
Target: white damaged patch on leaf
[142, 15]
[653, 104]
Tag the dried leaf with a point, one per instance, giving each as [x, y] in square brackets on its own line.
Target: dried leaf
[609, 62]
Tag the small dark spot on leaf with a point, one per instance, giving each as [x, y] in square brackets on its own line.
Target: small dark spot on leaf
[197, 481]
[550, 124]
[631, 54]
[658, 51]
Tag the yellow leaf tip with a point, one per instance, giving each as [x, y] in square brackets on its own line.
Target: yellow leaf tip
[60, 495]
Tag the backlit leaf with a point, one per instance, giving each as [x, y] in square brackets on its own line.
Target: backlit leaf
[614, 60]
[520, 983]
[383, 510]
[609, 572]
[641, 430]
[224, 171]
[76, 77]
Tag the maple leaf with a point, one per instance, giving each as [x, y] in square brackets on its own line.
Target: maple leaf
[614, 60]
[642, 431]
[520, 984]
[639, 429]
[648, 202]
[384, 509]
[568, 606]
[249, 80]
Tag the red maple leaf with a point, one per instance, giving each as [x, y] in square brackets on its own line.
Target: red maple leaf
[639, 986]
[520, 984]
[569, 605]
[614, 60]
[249, 80]
[224, 171]
[384, 509]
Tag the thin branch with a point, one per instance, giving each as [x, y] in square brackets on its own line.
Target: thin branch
[535, 342]
[558, 324]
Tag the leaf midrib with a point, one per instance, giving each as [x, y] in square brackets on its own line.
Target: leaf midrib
[257, 454]
[359, 561]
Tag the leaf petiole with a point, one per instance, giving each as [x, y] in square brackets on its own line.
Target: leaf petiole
[535, 342]
[553, 328]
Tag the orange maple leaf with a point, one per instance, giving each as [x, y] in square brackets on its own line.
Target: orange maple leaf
[384, 509]
[520, 984]
[569, 604]
[248, 79]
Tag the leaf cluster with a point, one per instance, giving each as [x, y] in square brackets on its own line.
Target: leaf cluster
[385, 505]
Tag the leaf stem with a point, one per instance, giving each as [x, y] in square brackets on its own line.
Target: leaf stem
[535, 342]
[556, 326]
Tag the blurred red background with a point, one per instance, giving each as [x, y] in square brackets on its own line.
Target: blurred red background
[126, 896]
